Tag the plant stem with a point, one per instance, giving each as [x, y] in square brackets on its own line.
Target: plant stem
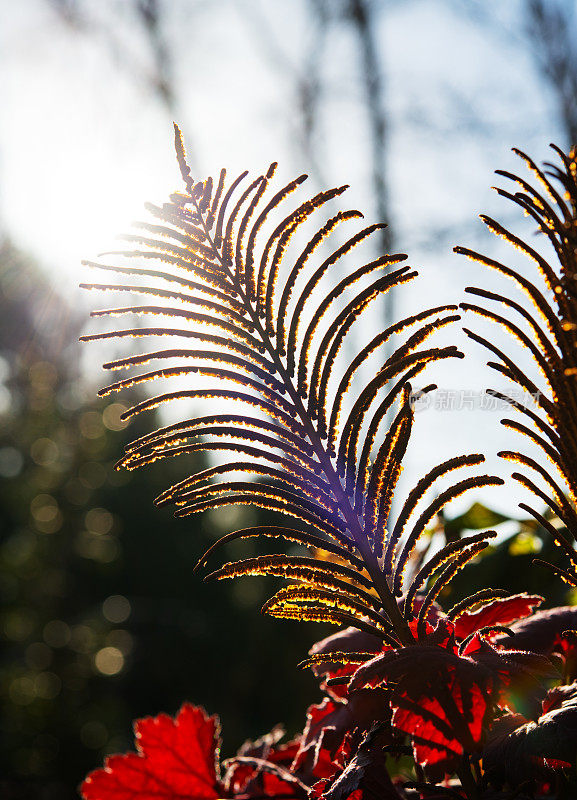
[386, 596]
[467, 780]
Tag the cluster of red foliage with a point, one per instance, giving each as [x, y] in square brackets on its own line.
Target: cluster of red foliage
[464, 700]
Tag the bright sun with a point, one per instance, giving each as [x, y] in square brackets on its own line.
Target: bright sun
[76, 203]
[74, 177]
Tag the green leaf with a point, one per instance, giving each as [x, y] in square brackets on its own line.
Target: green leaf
[475, 518]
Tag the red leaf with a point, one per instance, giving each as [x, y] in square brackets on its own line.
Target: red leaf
[329, 722]
[441, 699]
[539, 632]
[238, 773]
[501, 611]
[348, 640]
[520, 677]
[437, 732]
[365, 775]
[176, 759]
[260, 769]
[320, 729]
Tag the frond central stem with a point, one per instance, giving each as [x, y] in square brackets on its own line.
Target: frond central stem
[379, 581]
[382, 588]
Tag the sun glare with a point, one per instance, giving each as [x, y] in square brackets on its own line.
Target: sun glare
[81, 204]
[77, 177]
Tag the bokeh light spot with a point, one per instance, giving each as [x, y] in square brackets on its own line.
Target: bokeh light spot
[97, 547]
[109, 661]
[92, 474]
[83, 639]
[19, 624]
[38, 655]
[111, 417]
[46, 513]
[99, 521]
[21, 691]
[116, 608]
[44, 452]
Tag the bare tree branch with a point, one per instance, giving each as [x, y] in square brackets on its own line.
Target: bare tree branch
[160, 78]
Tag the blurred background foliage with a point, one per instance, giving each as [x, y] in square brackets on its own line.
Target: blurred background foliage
[102, 620]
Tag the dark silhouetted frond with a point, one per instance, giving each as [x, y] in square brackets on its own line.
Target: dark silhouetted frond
[480, 598]
[337, 658]
[547, 331]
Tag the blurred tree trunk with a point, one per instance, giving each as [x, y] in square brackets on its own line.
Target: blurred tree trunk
[552, 36]
[362, 16]
[363, 20]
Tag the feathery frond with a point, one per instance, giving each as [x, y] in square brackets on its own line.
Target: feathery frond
[547, 331]
[266, 340]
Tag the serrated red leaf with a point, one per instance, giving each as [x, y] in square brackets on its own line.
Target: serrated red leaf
[321, 724]
[176, 759]
[329, 723]
[520, 677]
[439, 729]
[442, 700]
[500, 611]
